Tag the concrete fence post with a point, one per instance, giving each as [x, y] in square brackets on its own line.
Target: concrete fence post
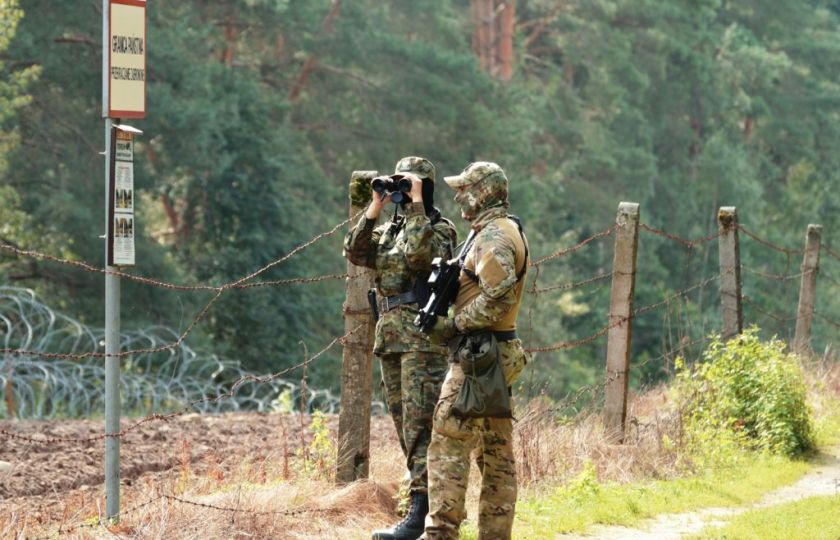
[353, 459]
[621, 320]
[732, 313]
[807, 291]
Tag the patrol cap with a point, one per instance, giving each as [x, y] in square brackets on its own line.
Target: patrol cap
[422, 167]
[475, 172]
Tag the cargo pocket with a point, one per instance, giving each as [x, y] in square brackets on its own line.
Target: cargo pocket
[514, 359]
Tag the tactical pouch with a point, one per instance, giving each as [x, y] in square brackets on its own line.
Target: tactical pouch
[484, 393]
[374, 308]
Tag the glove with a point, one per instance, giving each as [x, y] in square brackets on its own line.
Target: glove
[442, 331]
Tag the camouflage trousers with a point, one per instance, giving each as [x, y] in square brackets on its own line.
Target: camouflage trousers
[490, 440]
[412, 387]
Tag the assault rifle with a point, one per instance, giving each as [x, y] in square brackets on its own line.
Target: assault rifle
[443, 285]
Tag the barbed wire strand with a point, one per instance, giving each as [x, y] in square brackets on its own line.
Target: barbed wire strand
[100, 522]
[769, 244]
[831, 253]
[565, 251]
[569, 286]
[189, 406]
[101, 354]
[574, 397]
[87, 267]
[687, 243]
[828, 320]
[679, 294]
[219, 291]
[776, 277]
[564, 345]
[768, 314]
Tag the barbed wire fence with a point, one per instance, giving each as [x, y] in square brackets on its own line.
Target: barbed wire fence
[50, 359]
[50, 388]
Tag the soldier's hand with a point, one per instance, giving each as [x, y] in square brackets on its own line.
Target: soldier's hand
[416, 193]
[442, 331]
[376, 205]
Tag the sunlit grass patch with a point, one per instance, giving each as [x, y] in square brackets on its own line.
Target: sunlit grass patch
[585, 502]
[814, 518]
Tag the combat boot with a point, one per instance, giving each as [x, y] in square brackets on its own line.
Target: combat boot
[411, 527]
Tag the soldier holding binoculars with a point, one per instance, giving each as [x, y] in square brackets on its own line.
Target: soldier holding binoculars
[413, 368]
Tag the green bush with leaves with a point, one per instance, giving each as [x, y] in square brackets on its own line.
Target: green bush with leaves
[746, 393]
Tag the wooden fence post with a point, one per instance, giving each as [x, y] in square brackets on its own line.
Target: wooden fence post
[353, 457]
[807, 291]
[621, 320]
[730, 273]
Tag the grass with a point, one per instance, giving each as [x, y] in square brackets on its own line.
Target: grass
[581, 501]
[814, 518]
[585, 502]
[571, 477]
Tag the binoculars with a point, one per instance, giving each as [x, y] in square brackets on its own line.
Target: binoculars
[396, 184]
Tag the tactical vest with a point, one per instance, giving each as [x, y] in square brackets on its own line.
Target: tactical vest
[468, 288]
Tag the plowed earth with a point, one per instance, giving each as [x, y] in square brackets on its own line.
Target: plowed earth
[45, 478]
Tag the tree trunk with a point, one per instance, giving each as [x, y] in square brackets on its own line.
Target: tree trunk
[312, 61]
[230, 42]
[508, 21]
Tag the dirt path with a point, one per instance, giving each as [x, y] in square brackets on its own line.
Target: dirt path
[824, 479]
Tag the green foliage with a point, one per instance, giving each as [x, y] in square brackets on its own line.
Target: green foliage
[15, 228]
[283, 404]
[317, 460]
[584, 485]
[748, 393]
[680, 106]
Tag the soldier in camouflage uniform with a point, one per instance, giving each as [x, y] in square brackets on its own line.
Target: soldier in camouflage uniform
[492, 282]
[413, 368]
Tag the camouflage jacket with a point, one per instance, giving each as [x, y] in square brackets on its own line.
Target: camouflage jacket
[498, 261]
[399, 260]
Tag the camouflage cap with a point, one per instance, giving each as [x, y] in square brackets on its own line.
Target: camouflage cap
[476, 172]
[422, 167]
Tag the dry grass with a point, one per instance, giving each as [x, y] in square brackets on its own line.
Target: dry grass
[552, 451]
[252, 500]
[244, 504]
[268, 496]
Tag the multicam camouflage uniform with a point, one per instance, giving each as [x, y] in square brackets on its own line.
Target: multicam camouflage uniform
[490, 300]
[412, 367]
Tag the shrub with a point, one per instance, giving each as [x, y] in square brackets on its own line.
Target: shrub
[746, 393]
[317, 460]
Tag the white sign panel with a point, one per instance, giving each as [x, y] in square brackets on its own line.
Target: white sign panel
[124, 150]
[124, 185]
[127, 59]
[122, 194]
[123, 239]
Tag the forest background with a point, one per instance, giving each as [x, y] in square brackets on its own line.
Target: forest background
[258, 111]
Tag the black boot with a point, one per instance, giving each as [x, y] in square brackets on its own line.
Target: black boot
[411, 527]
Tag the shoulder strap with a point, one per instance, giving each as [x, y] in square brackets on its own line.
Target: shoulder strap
[397, 222]
[466, 248]
[434, 216]
[518, 222]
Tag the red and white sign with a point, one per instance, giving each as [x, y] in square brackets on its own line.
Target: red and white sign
[127, 59]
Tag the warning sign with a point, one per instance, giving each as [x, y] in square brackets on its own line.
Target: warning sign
[127, 59]
[121, 227]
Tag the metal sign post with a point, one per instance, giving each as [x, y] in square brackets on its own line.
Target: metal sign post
[123, 96]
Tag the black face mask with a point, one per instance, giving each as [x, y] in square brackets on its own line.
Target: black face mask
[428, 196]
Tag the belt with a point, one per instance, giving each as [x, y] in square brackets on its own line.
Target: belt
[500, 335]
[388, 303]
[504, 335]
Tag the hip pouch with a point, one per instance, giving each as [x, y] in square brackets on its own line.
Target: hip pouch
[484, 393]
